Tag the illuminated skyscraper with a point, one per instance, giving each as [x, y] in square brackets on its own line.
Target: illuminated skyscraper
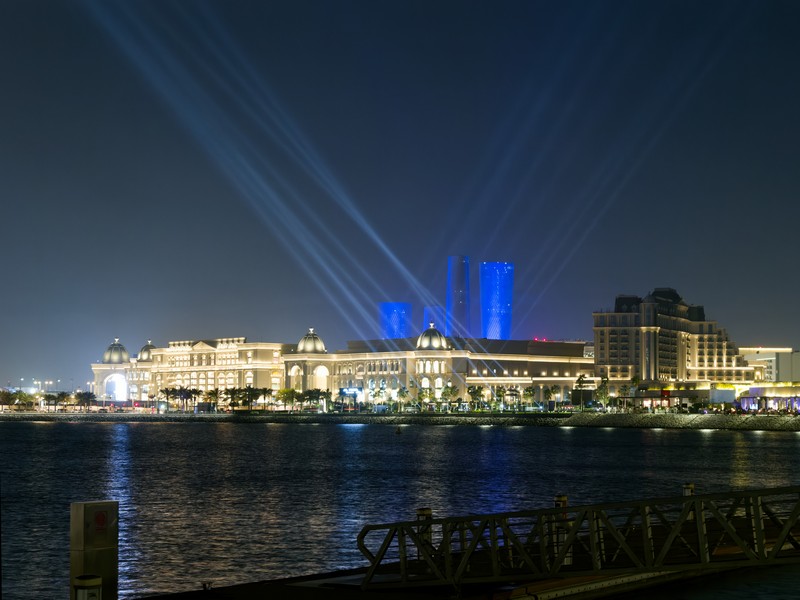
[497, 290]
[457, 304]
[395, 320]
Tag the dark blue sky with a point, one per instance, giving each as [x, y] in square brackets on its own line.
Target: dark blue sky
[188, 170]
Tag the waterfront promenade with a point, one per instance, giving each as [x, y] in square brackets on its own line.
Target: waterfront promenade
[746, 422]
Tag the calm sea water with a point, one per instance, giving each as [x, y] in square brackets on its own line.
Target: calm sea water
[233, 503]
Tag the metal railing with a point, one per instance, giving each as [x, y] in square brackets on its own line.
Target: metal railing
[690, 532]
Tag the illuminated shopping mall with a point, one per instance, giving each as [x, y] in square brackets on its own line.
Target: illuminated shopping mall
[369, 371]
[658, 341]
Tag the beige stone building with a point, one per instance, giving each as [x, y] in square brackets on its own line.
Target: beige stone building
[372, 371]
[660, 338]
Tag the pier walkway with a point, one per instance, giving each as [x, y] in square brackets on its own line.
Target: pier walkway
[561, 552]
[684, 535]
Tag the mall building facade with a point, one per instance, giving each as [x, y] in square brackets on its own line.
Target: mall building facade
[368, 370]
[658, 340]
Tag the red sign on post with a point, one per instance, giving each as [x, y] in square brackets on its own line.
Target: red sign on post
[100, 521]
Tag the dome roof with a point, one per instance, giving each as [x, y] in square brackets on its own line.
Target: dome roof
[144, 353]
[431, 339]
[115, 354]
[311, 343]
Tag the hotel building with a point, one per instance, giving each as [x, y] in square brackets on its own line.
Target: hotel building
[660, 338]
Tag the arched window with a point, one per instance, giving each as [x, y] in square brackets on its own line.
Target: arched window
[321, 374]
[296, 377]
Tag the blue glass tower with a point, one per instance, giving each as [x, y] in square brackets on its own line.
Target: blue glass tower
[432, 314]
[497, 290]
[395, 320]
[457, 301]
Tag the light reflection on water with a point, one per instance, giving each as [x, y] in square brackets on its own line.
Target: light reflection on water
[243, 502]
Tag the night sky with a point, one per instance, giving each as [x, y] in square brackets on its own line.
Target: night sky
[189, 170]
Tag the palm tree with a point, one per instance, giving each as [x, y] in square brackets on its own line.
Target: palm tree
[267, 393]
[549, 392]
[423, 395]
[249, 393]
[449, 394]
[312, 397]
[213, 397]
[402, 395]
[529, 393]
[233, 394]
[500, 394]
[6, 398]
[194, 394]
[169, 393]
[61, 398]
[85, 399]
[624, 390]
[22, 400]
[602, 391]
[48, 400]
[287, 396]
[579, 384]
[185, 394]
[475, 393]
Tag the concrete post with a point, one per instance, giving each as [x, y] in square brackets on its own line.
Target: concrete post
[94, 546]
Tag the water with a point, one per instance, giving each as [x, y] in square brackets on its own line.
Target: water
[233, 503]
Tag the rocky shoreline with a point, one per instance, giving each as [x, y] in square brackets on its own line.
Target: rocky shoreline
[628, 420]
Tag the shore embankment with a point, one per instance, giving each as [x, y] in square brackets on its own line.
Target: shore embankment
[627, 420]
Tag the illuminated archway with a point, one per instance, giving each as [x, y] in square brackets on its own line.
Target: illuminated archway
[321, 375]
[116, 388]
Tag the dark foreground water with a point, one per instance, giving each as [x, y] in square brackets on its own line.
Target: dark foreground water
[233, 503]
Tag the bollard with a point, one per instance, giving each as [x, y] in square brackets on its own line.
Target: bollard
[87, 587]
[94, 546]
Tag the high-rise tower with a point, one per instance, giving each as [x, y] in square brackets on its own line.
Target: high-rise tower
[457, 303]
[395, 320]
[497, 290]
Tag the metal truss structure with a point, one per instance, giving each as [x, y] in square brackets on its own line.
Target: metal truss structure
[683, 533]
